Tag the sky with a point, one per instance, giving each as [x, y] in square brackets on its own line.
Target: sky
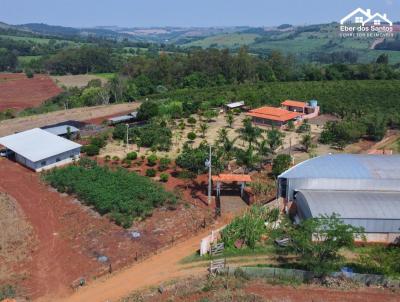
[184, 13]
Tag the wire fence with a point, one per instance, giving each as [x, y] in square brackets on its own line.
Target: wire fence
[305, 276]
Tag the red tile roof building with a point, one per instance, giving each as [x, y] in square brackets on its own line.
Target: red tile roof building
[272, 116]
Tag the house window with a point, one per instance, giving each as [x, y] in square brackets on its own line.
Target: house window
[359, 19]
[43, 163]
[377, 22]
[58, 159]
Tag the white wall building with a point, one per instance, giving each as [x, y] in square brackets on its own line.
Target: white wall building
[38, 149]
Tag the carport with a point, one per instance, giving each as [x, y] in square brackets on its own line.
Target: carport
[232, 201]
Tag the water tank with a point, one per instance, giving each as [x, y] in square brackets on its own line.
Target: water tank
[313, 103]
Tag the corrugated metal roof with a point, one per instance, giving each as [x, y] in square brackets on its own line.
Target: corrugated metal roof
[235, 104]
[61, 130]
[376, 212]
[352, 204]
[37, 144]
[350, 166]
[121, 118]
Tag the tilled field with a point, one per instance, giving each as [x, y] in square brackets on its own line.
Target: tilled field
[18, 92]
[71, 238]
[78, 114]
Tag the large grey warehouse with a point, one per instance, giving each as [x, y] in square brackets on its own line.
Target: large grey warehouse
[38, 149]
[363, 189]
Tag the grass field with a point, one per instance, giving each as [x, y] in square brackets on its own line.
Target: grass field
[226, 40]
[322, 38]
[36, 40]
[106, 76]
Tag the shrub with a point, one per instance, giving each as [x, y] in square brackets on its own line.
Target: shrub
[191, 120]
[91, 150]
[115, 158]
[152, 160]
[281, 163]
[124, 220]
[191, 136]
[131, 156]
[164, 177]
[127, 162]
[164, 163]
[107, 158]
[98, 141]
[7, 292]
[151, 172]
[249, 227]
[29, 74]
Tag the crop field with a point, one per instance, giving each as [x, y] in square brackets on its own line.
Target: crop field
[226, 40]
[36, 40]
[18, 92]
[80, 80]
[69, 237]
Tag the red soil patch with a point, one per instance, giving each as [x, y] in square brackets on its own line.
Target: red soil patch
[71, 236]
[310, 293]
[18, 92]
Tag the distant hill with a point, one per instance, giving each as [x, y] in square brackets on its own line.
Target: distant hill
[320, 42]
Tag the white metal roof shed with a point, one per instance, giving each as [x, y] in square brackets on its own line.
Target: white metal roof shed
[61, 130]
[37, 144]
[235, 105]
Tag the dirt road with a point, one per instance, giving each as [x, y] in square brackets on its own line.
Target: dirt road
[78, 114]
[153, 271]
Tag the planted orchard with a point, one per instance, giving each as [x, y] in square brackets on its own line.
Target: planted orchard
[122, 194]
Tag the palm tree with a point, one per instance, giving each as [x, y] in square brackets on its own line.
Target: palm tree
[248, 158]
[203, 129]
[275, 139]
[306, 141]
[264, 150]
[230, 119]
[249, 133]
[222, 133]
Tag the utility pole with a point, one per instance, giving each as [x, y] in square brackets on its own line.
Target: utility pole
[209, 178]
[127, 137]
[208, 164]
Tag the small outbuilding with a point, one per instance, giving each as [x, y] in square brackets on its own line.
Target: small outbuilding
[62, 130]
[39, 149]
[234, 105]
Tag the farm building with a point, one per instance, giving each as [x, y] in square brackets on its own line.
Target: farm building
[38, 149]
[62, 130]
[295, 111]
[131, 117]
[273, 116]
[234, 105]
[363, 189]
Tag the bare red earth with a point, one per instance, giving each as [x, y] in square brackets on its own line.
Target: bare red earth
[319, 294]
[18, 92]
[71, 236]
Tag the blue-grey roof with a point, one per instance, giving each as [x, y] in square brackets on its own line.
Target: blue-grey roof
[61, 130]
[375, 211]
[347, 166]
[121, 118]
[37, 144]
